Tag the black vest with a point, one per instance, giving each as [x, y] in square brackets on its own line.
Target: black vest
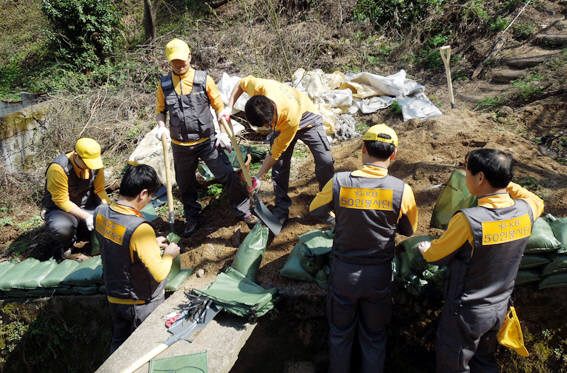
[190, 117]
[485, 273]
[367, 212]
[81, 191]
[125, 277]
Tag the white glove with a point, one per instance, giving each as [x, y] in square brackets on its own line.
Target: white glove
[161, 130]
[223, 141]
[423, 245]
[255, 185]
[90, 222]
[226, 113]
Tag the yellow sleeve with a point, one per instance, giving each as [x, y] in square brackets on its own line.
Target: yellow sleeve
[160, 100]
[409, 209]
[144, 242]
[518, 192]
[323, 198]
[58, 186]
[458, 232]
[252, 86]
[214, 95]
[99, 187]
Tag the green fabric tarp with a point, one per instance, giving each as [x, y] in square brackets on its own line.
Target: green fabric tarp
[559, 264]
[5, 267]
[236, 294]
[554, 281]
[193, 363]
[293, 268]
[12, 277]
[527, 276]
[532, 261]
[251, 252]
[58, 274]
[455, 196]
[176, 275]
[318, 242]
[542, 239]
[88, 272]
[559, 228]
[32, 279]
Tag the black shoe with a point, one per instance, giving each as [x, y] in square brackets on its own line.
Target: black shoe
[192, 226]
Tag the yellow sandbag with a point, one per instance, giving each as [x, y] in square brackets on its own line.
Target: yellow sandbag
[510, 334]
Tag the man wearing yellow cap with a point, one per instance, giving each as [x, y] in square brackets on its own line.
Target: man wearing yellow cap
[74, 187]
[370, 206]
[292, 116]
[482, 248]
[187, 95]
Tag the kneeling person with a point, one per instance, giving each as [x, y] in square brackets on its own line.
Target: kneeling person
[133, 267]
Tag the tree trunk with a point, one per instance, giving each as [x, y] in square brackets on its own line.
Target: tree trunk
[149, 21]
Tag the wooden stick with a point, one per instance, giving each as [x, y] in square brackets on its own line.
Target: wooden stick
[446, 57]
[168, 180]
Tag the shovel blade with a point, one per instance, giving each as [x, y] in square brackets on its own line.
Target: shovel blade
[266, 216]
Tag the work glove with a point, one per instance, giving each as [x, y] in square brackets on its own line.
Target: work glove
[423, 245]
[255, 185]
[162, 130]
[223, 141]
[90, 222]
[226, 113]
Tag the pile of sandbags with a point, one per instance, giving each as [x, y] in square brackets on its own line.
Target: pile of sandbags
[545, 258]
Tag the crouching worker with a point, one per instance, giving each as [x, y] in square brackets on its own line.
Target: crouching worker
[370, 207]
[134, 270]
[74, 187]
[482, 247]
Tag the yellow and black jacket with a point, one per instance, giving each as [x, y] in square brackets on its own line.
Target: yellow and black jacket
[370, 208]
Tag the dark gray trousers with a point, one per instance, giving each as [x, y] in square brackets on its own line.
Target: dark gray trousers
[316, 140]
[127, 317]
[186, 160]
[466, 338]
[64, 228]
[358, 300]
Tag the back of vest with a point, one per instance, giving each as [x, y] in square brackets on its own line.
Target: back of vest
[125, 276]
[500, 237]
[80, 190]
[190, 117]
[367, 211]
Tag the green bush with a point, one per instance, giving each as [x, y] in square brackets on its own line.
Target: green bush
[84, 32]
[396, 13]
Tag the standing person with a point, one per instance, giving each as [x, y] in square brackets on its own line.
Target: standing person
[370, 207]
[187, 95]
[134, 270]
[482, 247]
[292, 116]
[74, 187]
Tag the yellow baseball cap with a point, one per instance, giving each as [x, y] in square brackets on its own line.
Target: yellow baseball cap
[177, 49]
[89, 151]
[383, 133]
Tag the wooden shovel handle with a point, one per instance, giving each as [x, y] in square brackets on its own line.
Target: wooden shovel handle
[230, 132]
[167, 172]
[145, 358]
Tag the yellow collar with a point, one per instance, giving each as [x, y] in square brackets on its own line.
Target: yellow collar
[370, 170]
[495, 201]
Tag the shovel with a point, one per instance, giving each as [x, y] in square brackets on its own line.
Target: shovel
[182, 329]
[168, 183]
[446, 57]
[261, 210]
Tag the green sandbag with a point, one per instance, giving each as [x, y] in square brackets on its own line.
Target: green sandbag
[11, 278]
[256, 155]
[411, 260]
[322, 277]
[542, 239]
[251, 251]
[32, 279]
[85, 290]
[193, 363]
[5, 267]
[311, 263]
[559, 228]
[527, 276]
[88, 272]
[293, 268]
[58, 274]
[95, 245]
[455, 196]
[532, 261]
[176, 275]
[205, 172]
[554, 281]
[317, 241]
[558, 265]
